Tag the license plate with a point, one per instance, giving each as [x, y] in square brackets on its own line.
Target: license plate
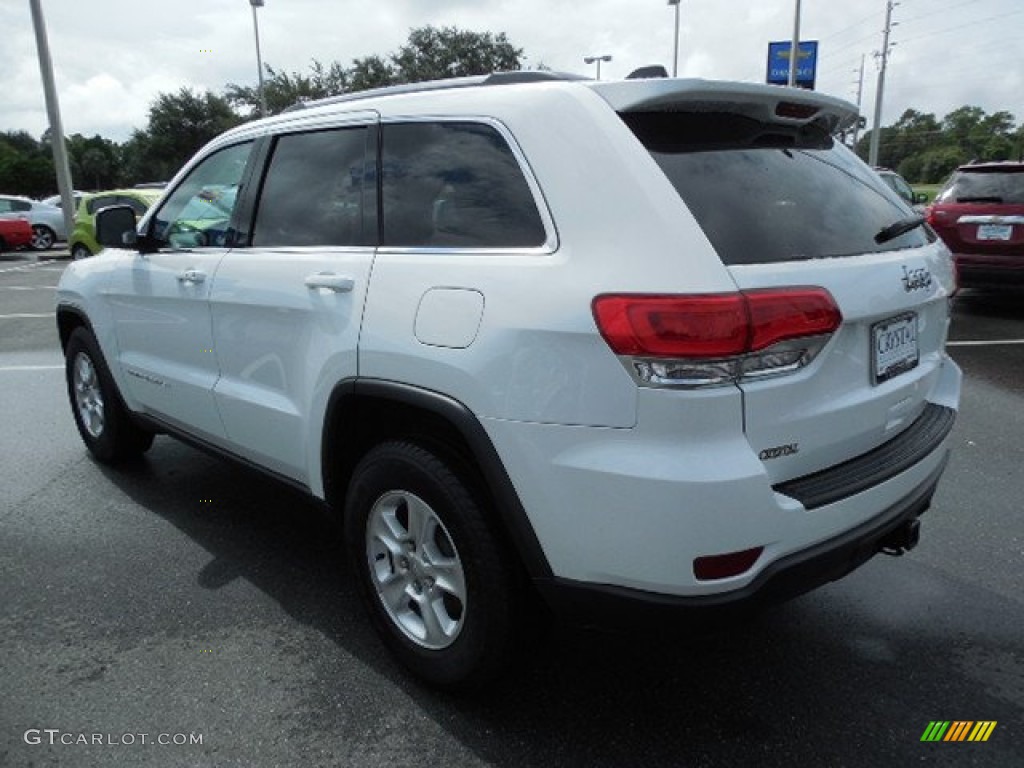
[894, 346]
[995, 231]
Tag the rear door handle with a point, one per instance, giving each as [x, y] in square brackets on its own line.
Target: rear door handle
[331, 282]
[192, 276]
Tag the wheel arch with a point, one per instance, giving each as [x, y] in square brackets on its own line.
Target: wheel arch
[68, 319]
[364, 412]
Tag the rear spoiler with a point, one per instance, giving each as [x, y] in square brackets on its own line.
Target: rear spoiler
[770, 104]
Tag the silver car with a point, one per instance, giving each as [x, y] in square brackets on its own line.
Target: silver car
[47, 220]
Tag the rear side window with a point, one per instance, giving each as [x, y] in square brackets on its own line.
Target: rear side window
[984, 186]
[766, 194]
[103, 201]
[9, 204]
[318, 191]
[455, 185]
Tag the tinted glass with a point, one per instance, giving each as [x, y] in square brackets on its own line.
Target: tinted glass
[984, 187]
[317, 191]
[453, 185]
[8, 204]
[102, 201]
[899, 186]
[768, 194]
[134, 203]
[198, 213]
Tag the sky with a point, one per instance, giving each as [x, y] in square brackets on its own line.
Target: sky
[112, 57]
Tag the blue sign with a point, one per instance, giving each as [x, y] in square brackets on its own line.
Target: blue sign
[779, 61]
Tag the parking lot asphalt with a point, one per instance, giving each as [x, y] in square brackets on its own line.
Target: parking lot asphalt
[191, 599]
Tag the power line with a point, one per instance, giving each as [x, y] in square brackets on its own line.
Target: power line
[961, 26]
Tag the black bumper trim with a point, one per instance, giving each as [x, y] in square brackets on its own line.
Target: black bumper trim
[614, 607]
[875, 467]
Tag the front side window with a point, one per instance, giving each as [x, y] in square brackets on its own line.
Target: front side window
[319, 190]
[198, 213]
[455, 185]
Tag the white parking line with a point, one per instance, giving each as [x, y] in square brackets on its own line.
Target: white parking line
[984, 342]
[26, 315]
[7, 368]
[31, 266]
[28, 287]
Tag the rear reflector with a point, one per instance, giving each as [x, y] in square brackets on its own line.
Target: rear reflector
[712, 326]
[713, 567]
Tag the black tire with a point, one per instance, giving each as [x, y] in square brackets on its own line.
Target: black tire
[43, 237]
[103, 421]
[485, 639]
[79, 251]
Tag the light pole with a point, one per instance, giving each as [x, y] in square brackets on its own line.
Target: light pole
[60, 154]
[598, 60]
[259, 58]
[794, 50]
[675, 48]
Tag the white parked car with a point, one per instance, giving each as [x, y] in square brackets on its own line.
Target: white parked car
[647, 346]
[47, 220]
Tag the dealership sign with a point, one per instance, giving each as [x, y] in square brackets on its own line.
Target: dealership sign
[806, 66]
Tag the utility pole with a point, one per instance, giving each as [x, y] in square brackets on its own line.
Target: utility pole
[794, 51]
[60, 155]
[860, 93]
[877, 124]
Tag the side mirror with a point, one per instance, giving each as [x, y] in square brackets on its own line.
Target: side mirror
[115, 227]
[920, 198]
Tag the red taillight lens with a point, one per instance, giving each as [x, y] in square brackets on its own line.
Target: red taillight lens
[790, 313]
[673, 326]
[713, 325]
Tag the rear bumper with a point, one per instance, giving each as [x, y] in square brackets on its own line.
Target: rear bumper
[787, 577]
[978, 269]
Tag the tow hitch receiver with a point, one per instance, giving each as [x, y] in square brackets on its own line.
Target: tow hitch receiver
[901, 540]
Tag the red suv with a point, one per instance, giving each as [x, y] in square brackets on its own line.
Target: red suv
[980, 215]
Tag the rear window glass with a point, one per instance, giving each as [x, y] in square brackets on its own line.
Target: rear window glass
[978, 186]
[766, 194]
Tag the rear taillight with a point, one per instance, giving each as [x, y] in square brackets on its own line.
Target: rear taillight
[716, 338]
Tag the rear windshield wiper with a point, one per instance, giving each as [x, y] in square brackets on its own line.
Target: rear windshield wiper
[897, 228]
[980, 199]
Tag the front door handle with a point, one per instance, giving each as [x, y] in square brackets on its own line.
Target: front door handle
[331, 282]
[192, 276]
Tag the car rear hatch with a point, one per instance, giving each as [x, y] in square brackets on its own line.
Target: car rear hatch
[791, 211]
[981, 211]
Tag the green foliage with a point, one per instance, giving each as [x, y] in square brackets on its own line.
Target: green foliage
[429, 54]
[434, 54]
[283, 89]
[926, 150]
[180, 123]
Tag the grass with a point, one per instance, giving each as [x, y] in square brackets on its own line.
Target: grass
[929, 189]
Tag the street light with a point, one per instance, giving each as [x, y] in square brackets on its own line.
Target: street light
[598, 60]
[675, 49]
[794, 48]
[259, 59]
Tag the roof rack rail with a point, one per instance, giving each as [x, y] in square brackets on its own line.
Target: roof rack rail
[496, 78]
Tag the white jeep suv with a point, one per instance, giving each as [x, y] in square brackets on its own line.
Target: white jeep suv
[635, 346]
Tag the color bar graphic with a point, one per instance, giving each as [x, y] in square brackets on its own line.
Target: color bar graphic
[958, 730]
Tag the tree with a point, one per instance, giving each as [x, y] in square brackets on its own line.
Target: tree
[283, 89]
[433, 54]
[179, 124]
[371, 72]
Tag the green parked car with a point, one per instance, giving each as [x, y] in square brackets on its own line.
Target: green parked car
[82, 242]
